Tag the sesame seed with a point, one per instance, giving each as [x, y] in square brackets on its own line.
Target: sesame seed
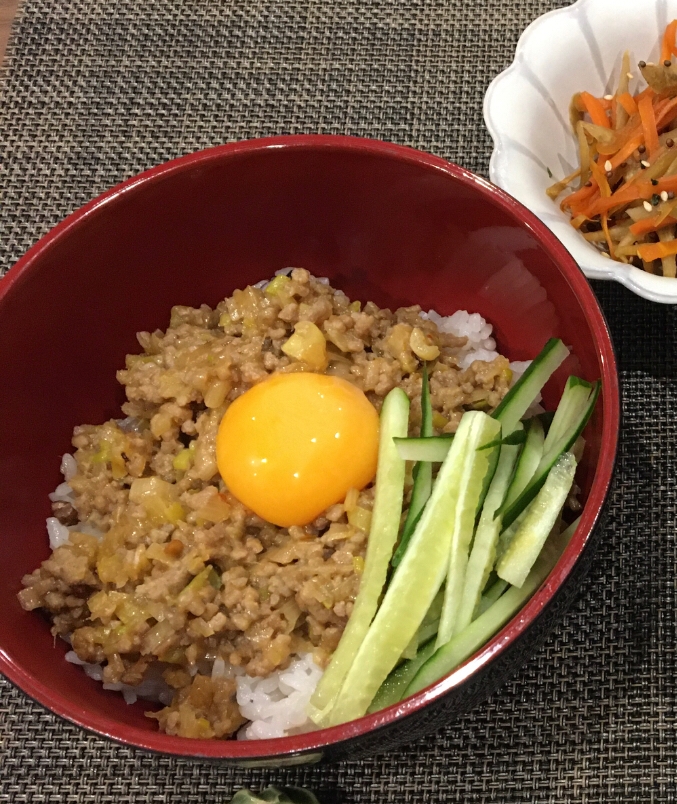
[664, 195]
[644, 163]
[642, 64]
[667, 63]
[629, 76]
[669, 142]
[650, 64]
[588, 184]
[671, 195]
[608, 97]
[608, 166]
[604, 254]
[641, 148]
[647, 206]
[654, 182]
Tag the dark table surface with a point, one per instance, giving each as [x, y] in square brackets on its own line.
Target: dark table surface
[98, 90]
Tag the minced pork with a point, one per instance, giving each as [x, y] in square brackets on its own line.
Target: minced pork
[183, 573]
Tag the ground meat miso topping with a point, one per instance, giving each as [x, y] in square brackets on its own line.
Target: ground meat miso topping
[164, 570]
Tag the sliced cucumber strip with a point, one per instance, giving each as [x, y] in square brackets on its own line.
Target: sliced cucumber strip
[524, 393]
[540, 519]
[491, 595]
[519, 398]
[423, 473]
[426, 631]
[574, 410]
[574, 399]
[483, 553]
[507, 535]
[433, 450]
[476, 466]
[410, 651]
[392, 689]
[514, 439]
[385, 523]
[428, 628]
[481, 630]
[420, 574]
[528, 461]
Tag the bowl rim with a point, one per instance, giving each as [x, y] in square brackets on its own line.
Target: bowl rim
[658, 289]
[301, 747]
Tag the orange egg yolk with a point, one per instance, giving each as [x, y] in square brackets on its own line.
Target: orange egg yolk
[297, 443]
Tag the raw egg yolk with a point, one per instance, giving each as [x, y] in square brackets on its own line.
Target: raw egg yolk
[297, 443]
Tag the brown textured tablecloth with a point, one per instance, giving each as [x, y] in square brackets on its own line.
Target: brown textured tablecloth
[95, 91]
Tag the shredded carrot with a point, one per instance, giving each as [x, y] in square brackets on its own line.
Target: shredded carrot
[581, 209]
[628, 103]
[651, 224]
[595, 108]
[644, 93]
[666, 112]
[627, 150]
[626, 161]
[646, 113]
[639, 191]
[656, 251]
[668, 44]
[579, 196]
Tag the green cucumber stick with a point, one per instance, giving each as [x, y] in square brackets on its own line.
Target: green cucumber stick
[392, 689]
[472, 488]
[419, 576]
[481, 630]
[574, 410]
[541, 517]
[385, 525]
[518, 399]
[491, 595]
[483, 553]
[524, 392]
[528, 460]
[427, 629]
[423, 473]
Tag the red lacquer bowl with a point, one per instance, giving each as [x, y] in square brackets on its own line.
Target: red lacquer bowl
[384, 223]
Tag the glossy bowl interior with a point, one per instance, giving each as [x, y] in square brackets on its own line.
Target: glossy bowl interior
[383, 223]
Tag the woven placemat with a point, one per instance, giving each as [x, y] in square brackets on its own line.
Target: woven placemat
[98, 90]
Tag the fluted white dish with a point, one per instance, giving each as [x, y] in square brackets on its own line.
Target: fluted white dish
[526, 110]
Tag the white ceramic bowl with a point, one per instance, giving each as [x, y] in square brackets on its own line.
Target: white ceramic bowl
[526, 111]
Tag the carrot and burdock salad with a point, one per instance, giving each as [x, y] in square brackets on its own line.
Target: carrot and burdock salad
[626, 199]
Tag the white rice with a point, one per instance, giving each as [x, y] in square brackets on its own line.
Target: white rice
[58, 533]
[69, 467]
[479, 345]
[277, 705]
